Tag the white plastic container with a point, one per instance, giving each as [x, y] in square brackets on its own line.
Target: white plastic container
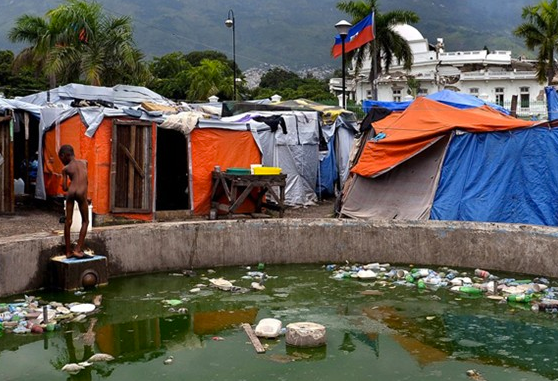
[76, 218]
[269, 328]
[19, 187]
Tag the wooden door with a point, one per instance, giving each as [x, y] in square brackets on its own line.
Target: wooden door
[131, 169]
[7, 201]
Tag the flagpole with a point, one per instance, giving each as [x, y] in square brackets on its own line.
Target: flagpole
[374, 58]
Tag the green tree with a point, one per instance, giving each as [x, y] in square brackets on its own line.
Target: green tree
[170, 75]
[387, 44]
[76, 41]
[195, 59]
[541, 31]
[291, 86]
[211, 77]
[21, 84]
[277, 78]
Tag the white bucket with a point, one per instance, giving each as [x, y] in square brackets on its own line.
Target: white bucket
[269, 328]
[76, 218]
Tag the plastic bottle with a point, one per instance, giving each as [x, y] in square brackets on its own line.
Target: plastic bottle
[470, 290]
[421, 285]
[521, 298]
[409, 278]
[482, 273]
[545, 307]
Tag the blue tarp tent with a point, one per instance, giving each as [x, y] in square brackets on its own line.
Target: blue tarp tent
[508, 176]
[448, 97]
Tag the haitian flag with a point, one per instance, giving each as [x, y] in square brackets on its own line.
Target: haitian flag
[359, 34]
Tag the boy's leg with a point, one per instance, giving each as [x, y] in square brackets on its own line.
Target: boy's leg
[67, 225]
[84, 211]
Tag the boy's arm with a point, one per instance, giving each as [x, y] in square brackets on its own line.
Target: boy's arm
[64, 180]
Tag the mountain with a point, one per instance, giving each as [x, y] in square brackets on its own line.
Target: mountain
[291, 33]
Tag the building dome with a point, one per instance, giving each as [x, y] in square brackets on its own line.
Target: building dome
[408, 32]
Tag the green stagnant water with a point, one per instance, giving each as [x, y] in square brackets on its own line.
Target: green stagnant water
[402, 334]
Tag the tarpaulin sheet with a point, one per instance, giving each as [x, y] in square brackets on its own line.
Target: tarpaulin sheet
[551, 102]
[420, 126]
[327, 175]
[507, 176]
[215, 146]
[448, 97]
[368, 104]
[404, 193]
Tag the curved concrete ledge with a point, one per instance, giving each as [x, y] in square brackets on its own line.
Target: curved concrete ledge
[177, 245]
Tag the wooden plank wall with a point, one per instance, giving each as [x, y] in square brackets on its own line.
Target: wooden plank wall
[7, 200]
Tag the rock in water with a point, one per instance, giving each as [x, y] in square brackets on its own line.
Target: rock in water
[305, 335]
[97, 357]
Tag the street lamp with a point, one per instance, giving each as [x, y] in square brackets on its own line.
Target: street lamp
[229, 22]
[343, 27]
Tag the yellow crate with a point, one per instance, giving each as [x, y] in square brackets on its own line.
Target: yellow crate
[267, 171]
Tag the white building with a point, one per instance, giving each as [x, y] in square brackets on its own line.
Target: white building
[493, 76]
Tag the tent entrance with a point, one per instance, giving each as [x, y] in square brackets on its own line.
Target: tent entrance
[172, 171]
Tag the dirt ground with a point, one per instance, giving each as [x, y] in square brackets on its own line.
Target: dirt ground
[33, 216]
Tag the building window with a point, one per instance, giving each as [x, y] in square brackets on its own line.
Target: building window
[368, 94]
[397, 95]
[524, 97]
[474, 91]
[422, 92]
[499, 96]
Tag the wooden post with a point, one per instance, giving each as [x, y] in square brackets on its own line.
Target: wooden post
[253, 338]
[131, 169]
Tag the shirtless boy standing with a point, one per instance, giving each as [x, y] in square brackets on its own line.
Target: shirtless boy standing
[76, 170]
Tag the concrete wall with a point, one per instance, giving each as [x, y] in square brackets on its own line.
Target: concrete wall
[172, 246]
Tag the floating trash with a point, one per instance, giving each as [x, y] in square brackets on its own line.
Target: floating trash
[536, 292]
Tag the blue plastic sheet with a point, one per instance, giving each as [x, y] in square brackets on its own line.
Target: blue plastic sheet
[508, 176]
[393, 106]
[448, 97]
[551, 102]
[328, 172]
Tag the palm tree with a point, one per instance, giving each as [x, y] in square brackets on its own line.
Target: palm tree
[78, 42]
[211, 77]
[541, 30]
[387, 43]
[42, 36]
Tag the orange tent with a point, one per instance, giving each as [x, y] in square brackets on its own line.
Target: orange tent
[97, 151]
[222, 147]
[422, 124]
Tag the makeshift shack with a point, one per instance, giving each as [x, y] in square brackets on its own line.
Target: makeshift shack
[199, 145]
[335, 133]
[436, 161]
[289, 140]
[19, 133]
[106, 127]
